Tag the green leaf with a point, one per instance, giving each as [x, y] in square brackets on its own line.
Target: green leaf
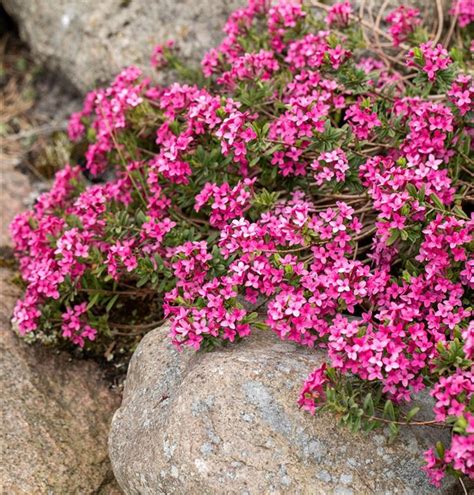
[140, 217]
[254, 161]
[93, 301]
[143, 281]
[440, 450]
[369, 426]
[412, 413]
[438, 203]
[389, 411]
[421, 195]
[460, 212]
[393, 237]
[369, 405]
[272, 150]
[460, 425]
[394, 430]
[413, 191]
[111, 303]
[356, 424]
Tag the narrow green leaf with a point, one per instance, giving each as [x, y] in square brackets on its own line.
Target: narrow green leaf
[369, 405]
[393, 237]
[412, 413]
[389, 411]
[393, 428]
[438, 203]
[93, 301]
[143, 281]
[111, 303]
[440, 450]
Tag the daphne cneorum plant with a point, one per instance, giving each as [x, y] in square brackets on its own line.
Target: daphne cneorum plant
[321, 182]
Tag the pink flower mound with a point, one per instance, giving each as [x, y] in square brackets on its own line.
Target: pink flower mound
[305, 187]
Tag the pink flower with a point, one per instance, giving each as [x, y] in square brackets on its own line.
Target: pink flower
[464, 9]
[362, 120]
[158, 59]
[339, 14]
[312, 394]
[403, 22]
[433, 59]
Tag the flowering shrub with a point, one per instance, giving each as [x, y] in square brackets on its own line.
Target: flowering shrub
[304, 188]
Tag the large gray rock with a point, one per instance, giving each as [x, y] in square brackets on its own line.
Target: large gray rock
[15, 194]
[227, 422]
[90, 41]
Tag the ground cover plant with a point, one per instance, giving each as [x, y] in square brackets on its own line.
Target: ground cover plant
[309, 183]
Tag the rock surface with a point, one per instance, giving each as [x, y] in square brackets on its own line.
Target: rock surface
[91, 41]
[227, 422]
[15, 194]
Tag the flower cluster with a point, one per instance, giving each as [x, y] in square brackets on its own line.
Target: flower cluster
[464, 9]
[362, 119]
[107, 108]
[312, 392]
[402, 23]
[227, 203]
[158, 59]
[329, 166]
[431, 58]
[448, 392]
[73, 328]
[339, 14]
[261, 65]
[308, 188]
[461, 93]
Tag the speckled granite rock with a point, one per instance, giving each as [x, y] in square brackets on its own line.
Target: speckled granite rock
[227, 422]
[91, 41]
[15, 191]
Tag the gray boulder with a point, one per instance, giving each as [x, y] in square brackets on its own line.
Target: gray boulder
[90, 41]
[227, 422]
